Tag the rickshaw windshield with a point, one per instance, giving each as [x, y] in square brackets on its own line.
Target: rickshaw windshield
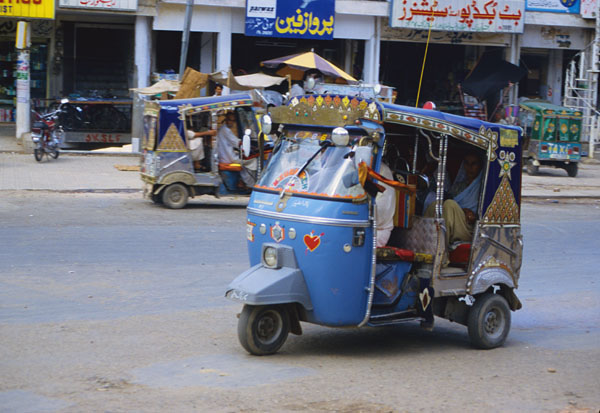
[330, 174]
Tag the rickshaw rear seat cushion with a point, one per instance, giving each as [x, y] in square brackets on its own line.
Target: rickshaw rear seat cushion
[421, 237]
[236, 167]
[459, 253]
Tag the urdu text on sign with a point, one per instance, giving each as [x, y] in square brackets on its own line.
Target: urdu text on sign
[305, 19]
[492, 16]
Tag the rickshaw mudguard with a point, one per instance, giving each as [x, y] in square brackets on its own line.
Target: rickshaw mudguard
[174, 177]
[489, 277]
[260, 285]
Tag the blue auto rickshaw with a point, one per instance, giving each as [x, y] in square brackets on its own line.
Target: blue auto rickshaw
[312, 223]
[169, 172]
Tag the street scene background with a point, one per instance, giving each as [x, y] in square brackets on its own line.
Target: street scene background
[111, 303]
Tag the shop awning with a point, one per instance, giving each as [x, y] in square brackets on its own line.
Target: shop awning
[159, 87]
[246, 82]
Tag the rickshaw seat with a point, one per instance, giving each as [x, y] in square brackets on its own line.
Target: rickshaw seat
[459, 252]
[421, 237]
[235, 167]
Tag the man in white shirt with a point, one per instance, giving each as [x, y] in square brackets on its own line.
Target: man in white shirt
[227, 142]
[228, 150]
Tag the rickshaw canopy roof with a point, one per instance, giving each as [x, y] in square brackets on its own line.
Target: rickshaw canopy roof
[207, 103]
[549, 109]
[346, 110]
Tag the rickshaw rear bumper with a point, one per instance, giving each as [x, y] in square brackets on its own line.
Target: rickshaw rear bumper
[260, 285]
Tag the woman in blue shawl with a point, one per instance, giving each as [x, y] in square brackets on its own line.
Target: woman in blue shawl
[460, 212]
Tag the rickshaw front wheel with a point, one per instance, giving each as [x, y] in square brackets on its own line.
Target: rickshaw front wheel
[175, 196]
[262, 330]
[489, 321]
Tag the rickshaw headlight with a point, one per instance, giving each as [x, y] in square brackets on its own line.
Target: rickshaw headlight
[270, 257]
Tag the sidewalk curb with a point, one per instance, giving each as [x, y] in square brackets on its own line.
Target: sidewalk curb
[80, 191]
[79, 153]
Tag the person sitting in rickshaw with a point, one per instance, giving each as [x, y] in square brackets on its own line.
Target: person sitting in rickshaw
[228, 150]
[459, 212]
[198, 141]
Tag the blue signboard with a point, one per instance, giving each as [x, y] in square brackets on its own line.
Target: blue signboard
[556, 6]
[302, 19]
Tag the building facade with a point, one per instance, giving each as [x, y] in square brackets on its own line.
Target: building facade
[107, 48]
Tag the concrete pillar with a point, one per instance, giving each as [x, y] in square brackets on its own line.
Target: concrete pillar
[23, 83]
[555, 76]
[513, 55]
[371, 62]
[207, 55]
[143, 46]
[348, 48]
[224, 43]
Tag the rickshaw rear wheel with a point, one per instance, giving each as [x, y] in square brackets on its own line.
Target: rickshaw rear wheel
[175, 196]
[531, 168]
[571, 169]
[489, 321]
[262, 330]
[54, 154]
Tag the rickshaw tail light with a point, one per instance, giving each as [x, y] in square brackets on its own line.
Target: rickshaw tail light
[270, 257]
[544, 148]
[575, 149]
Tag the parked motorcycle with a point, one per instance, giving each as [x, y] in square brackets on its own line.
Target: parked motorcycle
[47, 133]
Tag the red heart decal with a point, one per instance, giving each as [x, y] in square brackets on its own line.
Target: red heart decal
[312, 241]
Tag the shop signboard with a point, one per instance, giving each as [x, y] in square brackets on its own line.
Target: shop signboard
[555, 6]
[590, 8]
[302, 19]
[117, 5]
[491, 16]
[33, 9]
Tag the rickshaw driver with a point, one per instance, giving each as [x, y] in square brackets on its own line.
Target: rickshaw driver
[458, 212]
[227, 145]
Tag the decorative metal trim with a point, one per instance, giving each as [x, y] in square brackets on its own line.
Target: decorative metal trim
[483, 138]
[340, 110]
[311, 220]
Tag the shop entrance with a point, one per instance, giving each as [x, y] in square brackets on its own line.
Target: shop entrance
[98, 60]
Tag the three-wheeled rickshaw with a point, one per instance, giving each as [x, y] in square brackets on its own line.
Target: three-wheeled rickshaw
[552, 136]
[169, 171]
[313, 216]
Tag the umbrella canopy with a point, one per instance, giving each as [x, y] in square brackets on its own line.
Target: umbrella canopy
[491, 75]
[305, 61]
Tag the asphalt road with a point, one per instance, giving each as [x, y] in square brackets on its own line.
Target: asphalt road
[110, 303]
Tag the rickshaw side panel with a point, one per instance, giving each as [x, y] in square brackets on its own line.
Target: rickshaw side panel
[336, 272]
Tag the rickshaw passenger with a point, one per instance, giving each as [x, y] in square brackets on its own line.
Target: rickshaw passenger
[459, 212]
[228, 148]
[197, 144]
[386, 205]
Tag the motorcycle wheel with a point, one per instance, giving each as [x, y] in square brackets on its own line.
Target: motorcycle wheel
[38, 154]
[262, 330]
[54, 154]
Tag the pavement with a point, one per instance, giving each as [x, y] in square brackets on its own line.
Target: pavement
[115, 170]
